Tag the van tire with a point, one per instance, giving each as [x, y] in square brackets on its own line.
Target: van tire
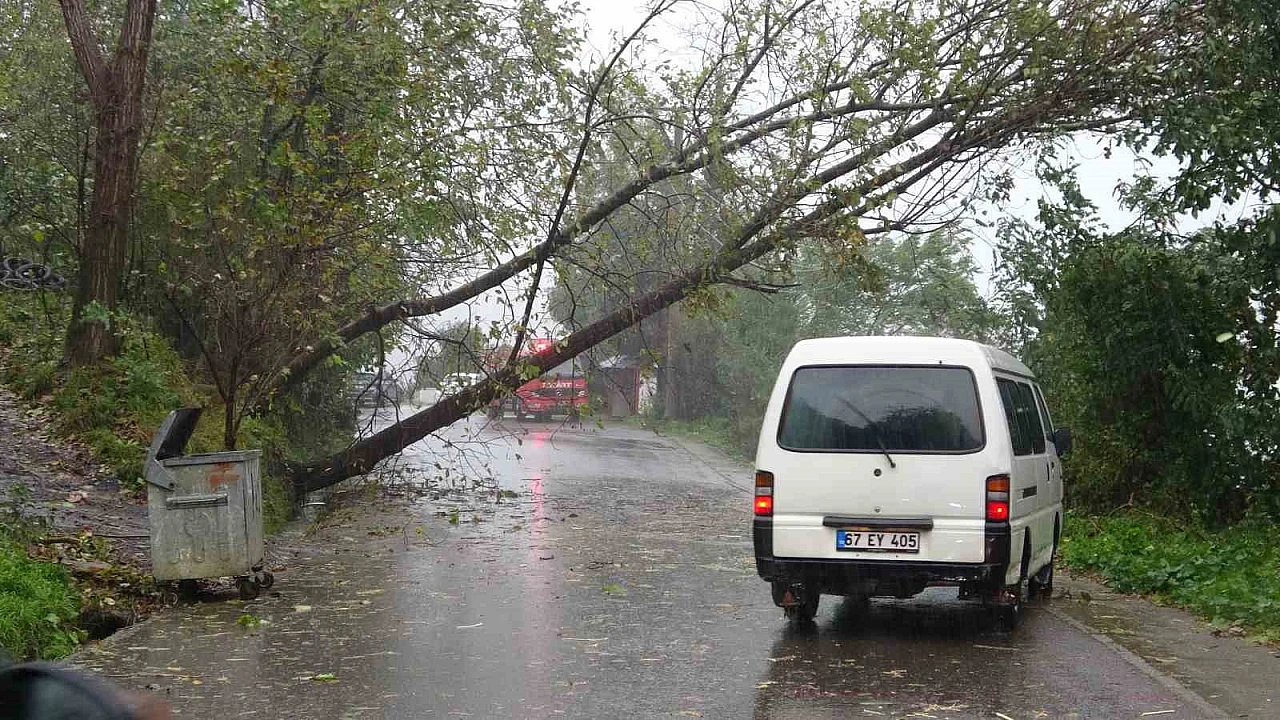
[1042, 583]
[1009, 615]
[805, 605]
[806, 611]
[1041, 586]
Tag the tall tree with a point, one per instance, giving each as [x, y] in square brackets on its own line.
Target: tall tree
[115, 91]
[909, 285]
[820, 120]
[1162, 346]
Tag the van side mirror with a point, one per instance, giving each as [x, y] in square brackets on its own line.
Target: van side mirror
[1062, 441]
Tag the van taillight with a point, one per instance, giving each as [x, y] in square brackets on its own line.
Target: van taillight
[764, 493]
[998, 498]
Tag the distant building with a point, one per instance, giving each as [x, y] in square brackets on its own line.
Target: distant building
[619, 383]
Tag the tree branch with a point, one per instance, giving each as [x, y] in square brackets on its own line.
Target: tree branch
[87, 51]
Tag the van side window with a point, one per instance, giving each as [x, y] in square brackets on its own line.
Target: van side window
[1009, 399]
[1044, 413]
[1029, 415]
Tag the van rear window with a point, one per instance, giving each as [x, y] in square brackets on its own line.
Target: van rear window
[875, 408]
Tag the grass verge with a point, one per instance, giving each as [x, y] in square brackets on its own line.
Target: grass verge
[715, 432]
[1229, 577]
[38, 605]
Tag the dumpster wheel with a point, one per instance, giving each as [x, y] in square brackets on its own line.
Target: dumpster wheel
[249, 588]
[188, 591]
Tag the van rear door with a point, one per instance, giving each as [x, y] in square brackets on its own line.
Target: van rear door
[877, 444]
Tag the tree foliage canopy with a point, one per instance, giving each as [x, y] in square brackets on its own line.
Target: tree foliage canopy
[1160, 345]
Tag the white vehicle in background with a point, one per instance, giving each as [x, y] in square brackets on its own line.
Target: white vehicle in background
[890, 464]
[456, 382]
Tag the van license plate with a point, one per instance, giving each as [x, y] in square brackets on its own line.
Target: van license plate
[877, 541]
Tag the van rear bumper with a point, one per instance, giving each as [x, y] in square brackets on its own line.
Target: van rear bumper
[841, 576]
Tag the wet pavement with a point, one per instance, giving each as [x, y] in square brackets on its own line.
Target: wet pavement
[618, 582]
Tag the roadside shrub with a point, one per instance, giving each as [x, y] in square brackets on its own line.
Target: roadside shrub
[114, 408]
[1227, 576]
[36, 381]
[37, 605]
[277, 507]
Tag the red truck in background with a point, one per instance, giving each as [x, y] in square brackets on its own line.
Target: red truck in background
[561, 390]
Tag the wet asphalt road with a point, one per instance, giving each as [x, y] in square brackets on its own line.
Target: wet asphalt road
[618, 583]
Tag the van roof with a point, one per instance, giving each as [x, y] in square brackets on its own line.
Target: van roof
[875, 349]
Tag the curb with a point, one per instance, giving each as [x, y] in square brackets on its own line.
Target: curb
[1187, 695]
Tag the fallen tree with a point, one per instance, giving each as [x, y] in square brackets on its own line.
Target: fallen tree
[880, 120]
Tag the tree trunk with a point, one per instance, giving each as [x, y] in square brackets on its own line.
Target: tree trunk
[115, 89]
[103, 255]
[230, 423]
[364, 455]
[361, 457]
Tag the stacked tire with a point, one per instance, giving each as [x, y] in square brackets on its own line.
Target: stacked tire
[21, 274]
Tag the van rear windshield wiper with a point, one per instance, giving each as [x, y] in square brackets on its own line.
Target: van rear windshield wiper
[875, 429]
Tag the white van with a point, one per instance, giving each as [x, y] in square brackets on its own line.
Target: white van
[889, 464]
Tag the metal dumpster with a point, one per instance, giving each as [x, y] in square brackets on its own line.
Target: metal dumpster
[205, 510]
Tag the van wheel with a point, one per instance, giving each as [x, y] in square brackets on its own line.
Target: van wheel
[1042, 584]
[799, 603]
[1009, 614]
[805, 611]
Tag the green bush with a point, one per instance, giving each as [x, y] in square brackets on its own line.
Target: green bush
[114, 408]
[1227, 576]
[37, 605]
[277, 507]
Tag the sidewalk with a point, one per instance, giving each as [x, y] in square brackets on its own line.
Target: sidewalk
[1234, 674]
[64, 486]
